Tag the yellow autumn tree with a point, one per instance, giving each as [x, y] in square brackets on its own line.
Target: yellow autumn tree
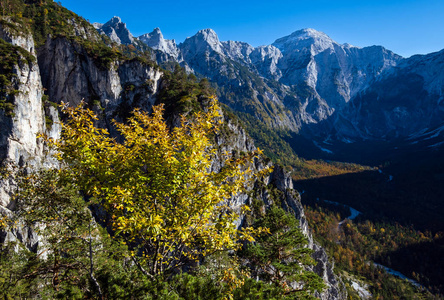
[157, 186]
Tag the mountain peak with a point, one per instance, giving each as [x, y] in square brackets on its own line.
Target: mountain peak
[305, 38]
[309, 33]
[156, 41]
[208, 35]
[154, 36]
[114, 20]
[303, 34]
[202, 41]
[116, 30]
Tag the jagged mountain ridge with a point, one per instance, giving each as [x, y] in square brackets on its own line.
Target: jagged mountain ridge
[308, 83]
[307, 75]
[116, 30]
[322, 74]
[156, 41]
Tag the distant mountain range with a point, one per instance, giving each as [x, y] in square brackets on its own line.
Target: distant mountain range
[310, 84]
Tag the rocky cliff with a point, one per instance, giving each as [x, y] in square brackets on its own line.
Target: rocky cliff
[277, 188]
[25, 118]
[62, 69]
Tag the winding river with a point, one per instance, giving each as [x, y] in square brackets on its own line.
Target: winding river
[353, 214]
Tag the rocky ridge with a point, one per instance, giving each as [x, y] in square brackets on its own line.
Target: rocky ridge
[116, 30]
[312, 75]
[156, 41]
[308, 83]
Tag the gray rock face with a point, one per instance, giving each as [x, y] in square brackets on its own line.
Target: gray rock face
[116, 30]
[402, 102]
[203, 42]
[19, 144]
[18, 134]
[235, 139]
[266, 59]
[70, 75]
[334, 72]
[156, 41]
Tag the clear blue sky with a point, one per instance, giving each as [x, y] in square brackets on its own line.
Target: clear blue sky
[406, 27]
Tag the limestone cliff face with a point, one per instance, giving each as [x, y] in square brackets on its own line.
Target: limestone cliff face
[19, 144]
[19, 129]
[67, 73]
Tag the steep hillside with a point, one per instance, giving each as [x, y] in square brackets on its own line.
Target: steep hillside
[308, 96]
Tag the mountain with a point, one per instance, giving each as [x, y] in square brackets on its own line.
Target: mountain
[307, 83]
[335, 72]
[156, 41]
[306, 74]
[299, 80]
[310, 95]
[116, 30]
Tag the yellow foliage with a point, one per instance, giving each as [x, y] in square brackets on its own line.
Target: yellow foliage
[157, 185]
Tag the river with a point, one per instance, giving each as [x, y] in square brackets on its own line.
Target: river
[353, 214]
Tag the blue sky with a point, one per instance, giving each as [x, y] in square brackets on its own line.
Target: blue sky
[406, 27]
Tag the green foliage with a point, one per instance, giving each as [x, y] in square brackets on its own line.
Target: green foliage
[13, 10]
[157, 186]
[280, 256]
[74, 249]
[182, 93]
[270, 140]
[80, 260]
